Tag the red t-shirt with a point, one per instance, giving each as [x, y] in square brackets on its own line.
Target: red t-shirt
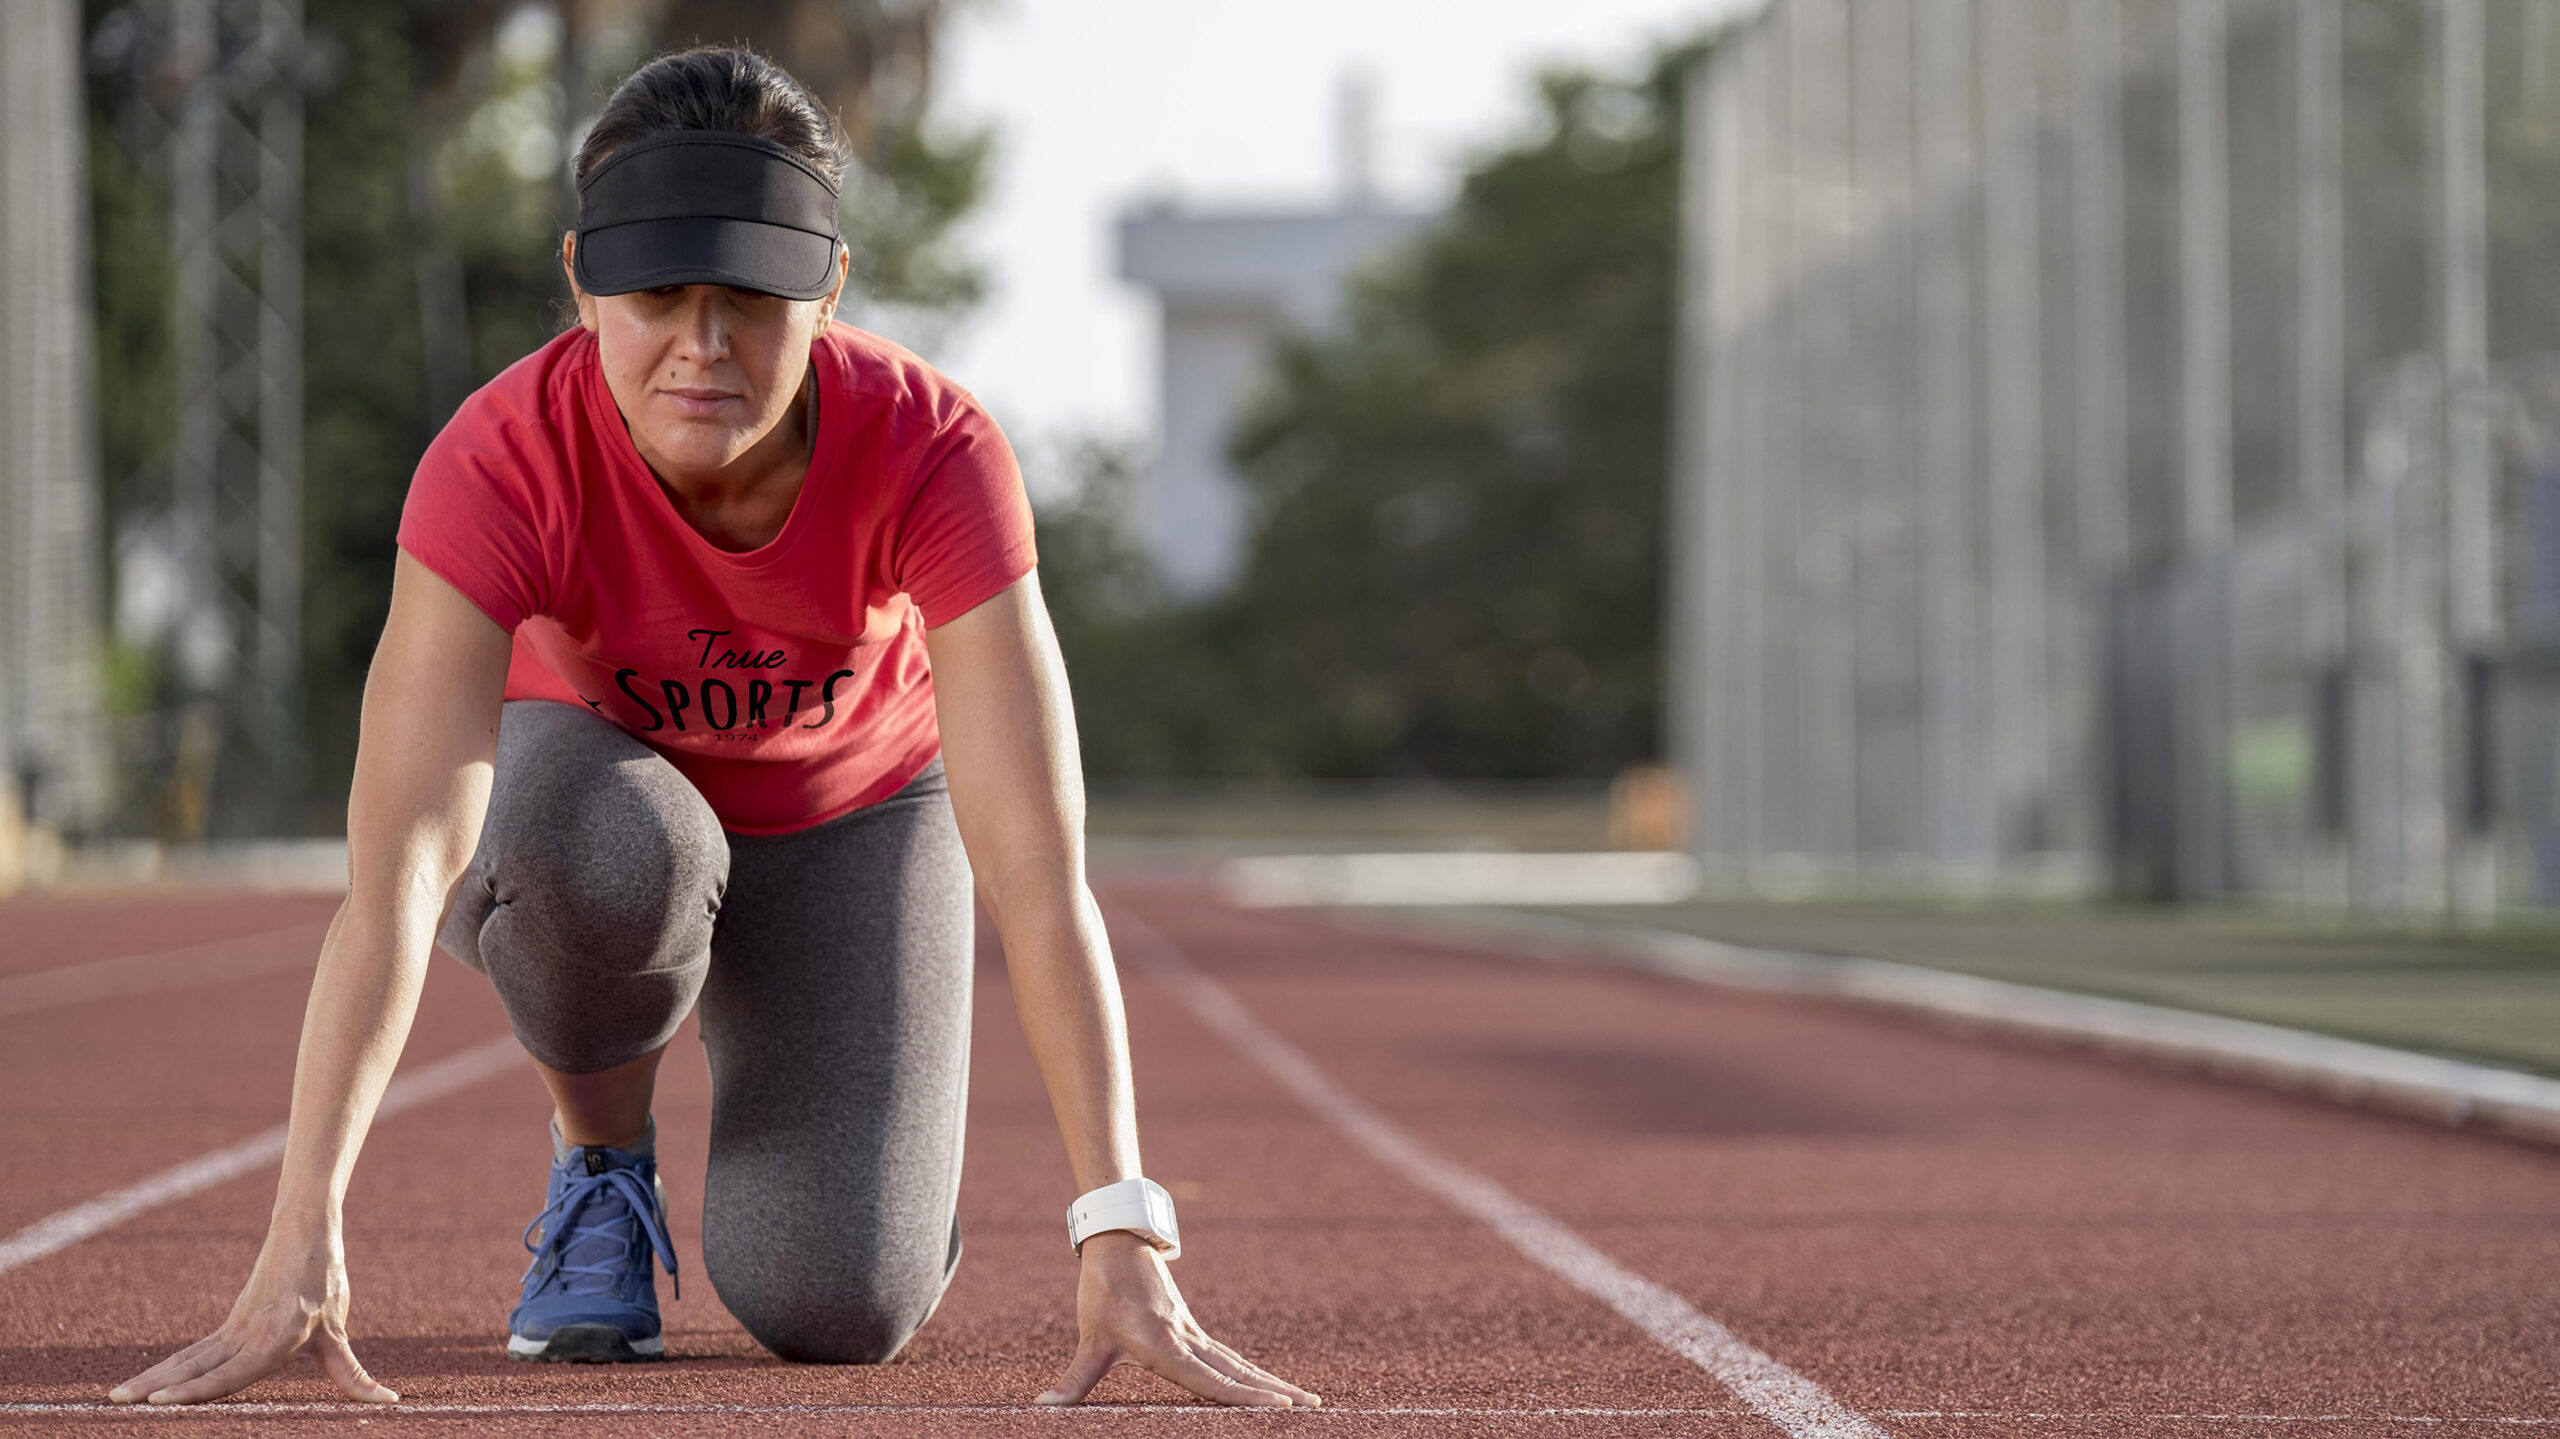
[788, 683]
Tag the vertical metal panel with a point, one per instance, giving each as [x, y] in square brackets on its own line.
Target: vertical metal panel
[2013, 448]
[2204, 274]
[1701, 694]
[2101, 528]
[1826, 394]
[52, 761]
[1943, 127]
[2320, 480]
[1887, 641]
[2471, 599]
[1782, 403]
[2204, 395]
[1756, 189]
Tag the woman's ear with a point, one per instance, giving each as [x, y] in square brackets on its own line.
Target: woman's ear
[585, 302]
[844, 268]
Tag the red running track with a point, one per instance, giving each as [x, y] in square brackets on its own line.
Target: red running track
[1950, 1236]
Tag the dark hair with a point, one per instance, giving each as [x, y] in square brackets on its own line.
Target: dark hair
[716, 88]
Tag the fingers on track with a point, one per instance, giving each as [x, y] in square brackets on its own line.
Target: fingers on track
[1203, 1373]
[244, 1368]
[178, 1368]
[338, 1360]
[1085, 1371]
[1245, 1369]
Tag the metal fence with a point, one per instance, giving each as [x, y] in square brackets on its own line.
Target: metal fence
[53, 755]
[2119, 449]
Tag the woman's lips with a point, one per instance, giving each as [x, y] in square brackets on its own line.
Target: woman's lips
[699, 403]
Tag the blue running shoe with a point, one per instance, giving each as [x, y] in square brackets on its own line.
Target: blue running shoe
[589, 1297]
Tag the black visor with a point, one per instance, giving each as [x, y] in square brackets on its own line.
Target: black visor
[706, 207]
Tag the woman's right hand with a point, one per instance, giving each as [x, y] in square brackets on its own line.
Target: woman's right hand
[295, 1303]
[423, 756]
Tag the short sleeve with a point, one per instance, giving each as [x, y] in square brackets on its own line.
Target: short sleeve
[966, 534]
[471, 516]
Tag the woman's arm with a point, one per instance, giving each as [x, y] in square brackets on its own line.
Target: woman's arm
[1017, 789]
[430, 732]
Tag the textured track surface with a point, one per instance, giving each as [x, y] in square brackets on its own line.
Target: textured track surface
[1952, 1237]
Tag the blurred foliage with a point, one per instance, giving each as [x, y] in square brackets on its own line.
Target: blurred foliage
[1162, 690]
[433, 201]
[1454, 568]
[912, 184]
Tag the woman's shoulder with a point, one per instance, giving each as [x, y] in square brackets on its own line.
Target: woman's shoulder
[874, 371]
[514, 443]
[529, 402]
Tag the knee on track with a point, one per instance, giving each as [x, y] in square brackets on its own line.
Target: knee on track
[846, 1326]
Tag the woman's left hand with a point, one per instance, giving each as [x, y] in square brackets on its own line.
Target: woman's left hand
[1129, 1312]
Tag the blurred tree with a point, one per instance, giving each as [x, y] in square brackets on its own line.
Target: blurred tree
[1159, 688]
[1454, 566]
[871, 61]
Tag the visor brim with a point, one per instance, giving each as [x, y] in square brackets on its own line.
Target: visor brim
[744, 254]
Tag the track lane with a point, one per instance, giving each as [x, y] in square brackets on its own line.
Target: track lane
[1920, 1221]
[49, 931]
[1955, 1237]
[1403, 1306]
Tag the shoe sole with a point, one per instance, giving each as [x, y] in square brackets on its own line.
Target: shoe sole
[586, 1344]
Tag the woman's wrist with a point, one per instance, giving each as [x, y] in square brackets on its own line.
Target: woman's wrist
[1112, 1242]
[306, 1223]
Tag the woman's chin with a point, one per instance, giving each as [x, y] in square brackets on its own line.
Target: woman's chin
[698, 448]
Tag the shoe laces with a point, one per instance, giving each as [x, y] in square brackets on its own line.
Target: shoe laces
[594, 1194]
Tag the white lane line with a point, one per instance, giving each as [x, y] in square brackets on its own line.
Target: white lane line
[220, 1409]
[235, 1409]
[57, 1232]
[2482, 1421]
[1777, 1393]
[292, 946]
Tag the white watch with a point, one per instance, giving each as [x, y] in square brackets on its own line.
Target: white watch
[1138, 1205]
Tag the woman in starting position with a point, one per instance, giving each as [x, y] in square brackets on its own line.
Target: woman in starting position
[692, 606]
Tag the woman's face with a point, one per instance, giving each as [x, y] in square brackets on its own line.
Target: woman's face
[702, 373]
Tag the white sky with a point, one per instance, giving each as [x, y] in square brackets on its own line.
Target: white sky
[1100, 102]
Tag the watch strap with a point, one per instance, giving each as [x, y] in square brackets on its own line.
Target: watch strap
[1138, 1205]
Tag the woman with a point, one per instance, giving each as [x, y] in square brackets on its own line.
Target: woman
[693, 603]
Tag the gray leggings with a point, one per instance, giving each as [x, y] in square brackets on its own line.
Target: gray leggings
[833, 969]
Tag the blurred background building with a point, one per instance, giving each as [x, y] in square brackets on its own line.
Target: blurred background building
[1231, 285]
[2116, 443]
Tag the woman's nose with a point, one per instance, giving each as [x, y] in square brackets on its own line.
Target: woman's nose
[704, 327]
